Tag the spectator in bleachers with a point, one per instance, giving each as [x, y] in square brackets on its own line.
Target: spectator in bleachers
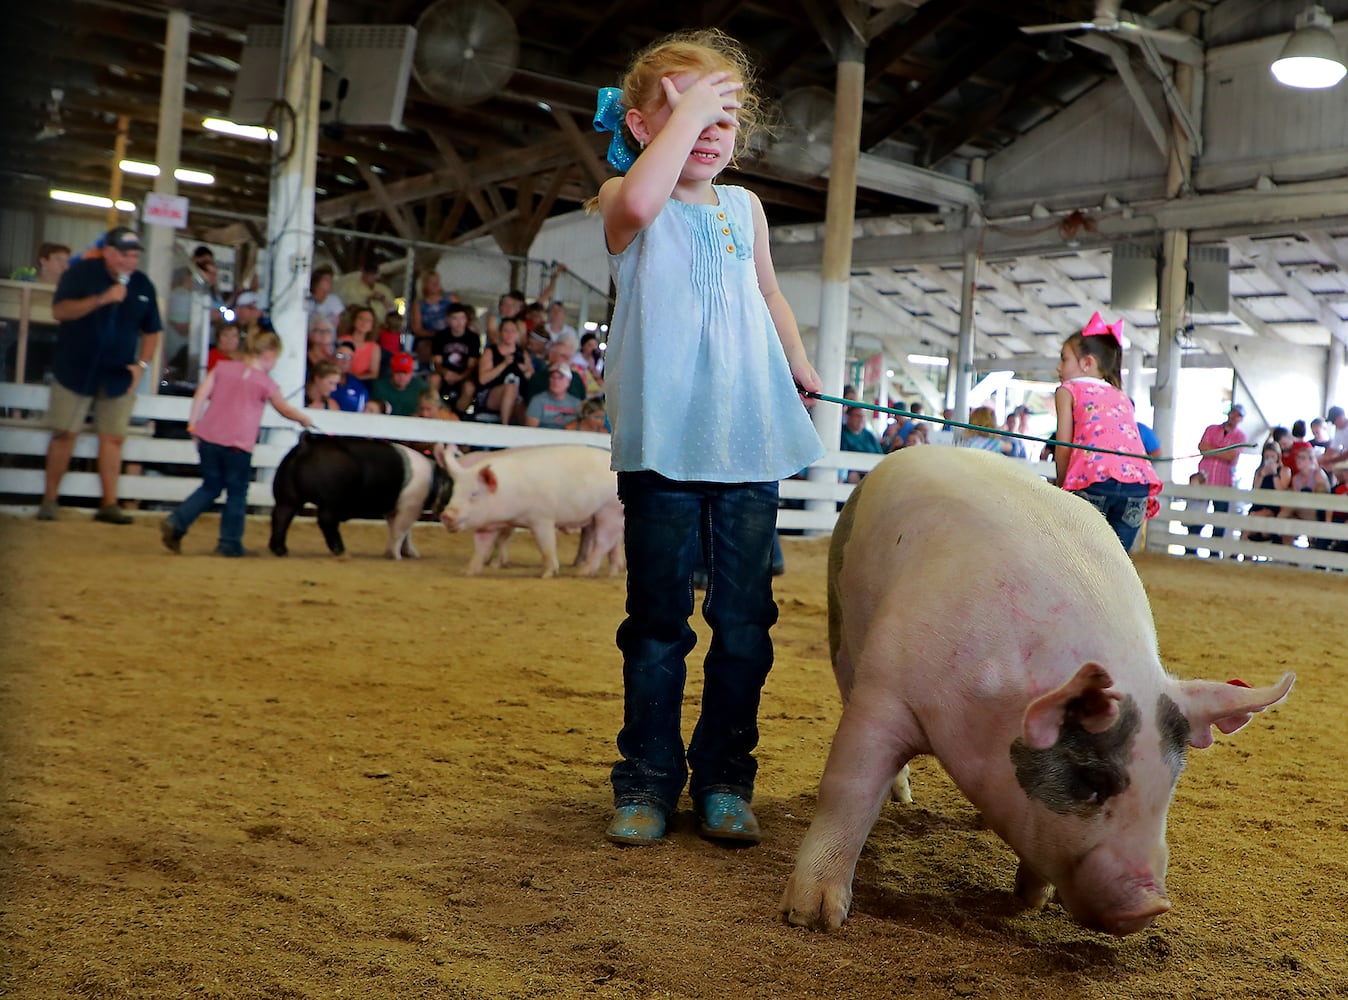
[540, 352]
[982, 416]
[901, 431]
[455, 355]
[429, 317]
[593, 418]
[431, 406]
[556, 321]
[1319, 435]
[322, 341]
[401, 388]
[1336, 452]
[226, 347]
[351, 393]
[389, 337]
[363, 288]
[1282, 437]
[322, 300]
[358, 327]
[320, 385]
[856, 436]
[1271, 475]
[1298, 432]
[1307, 477]
[589, 363]
[1017, 422]
[52, 261]
[501, 372]
[555, 408]
[508, 306]
[560, 351]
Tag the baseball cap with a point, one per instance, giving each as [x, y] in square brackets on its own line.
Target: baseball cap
[246, 299]
[403, 362]
[122, 238]
[1237, 408]
[560, 369]
[1334, 413]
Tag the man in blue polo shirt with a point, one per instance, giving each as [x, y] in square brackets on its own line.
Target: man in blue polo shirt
[109, 333]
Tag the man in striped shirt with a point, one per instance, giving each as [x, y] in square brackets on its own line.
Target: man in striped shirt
[1219, 468]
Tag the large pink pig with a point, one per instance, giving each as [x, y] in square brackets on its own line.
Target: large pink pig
[978, 614]
[540, 488]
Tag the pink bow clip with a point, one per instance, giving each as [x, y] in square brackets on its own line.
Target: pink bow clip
[1096, 327]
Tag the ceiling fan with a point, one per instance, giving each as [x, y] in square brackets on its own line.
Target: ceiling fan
[1109, 19]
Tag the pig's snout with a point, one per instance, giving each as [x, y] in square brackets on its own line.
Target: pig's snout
[1122, 922]
[1109, 895]
[449, 517]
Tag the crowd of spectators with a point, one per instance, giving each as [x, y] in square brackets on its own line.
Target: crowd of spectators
[520, 363]
[1308, 457]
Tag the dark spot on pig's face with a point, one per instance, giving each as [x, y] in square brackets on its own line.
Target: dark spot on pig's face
[442, 490]
[1173, 725]
[1079, 773]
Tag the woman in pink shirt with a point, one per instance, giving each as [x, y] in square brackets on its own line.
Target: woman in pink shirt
[1092, 410]
[233, 395]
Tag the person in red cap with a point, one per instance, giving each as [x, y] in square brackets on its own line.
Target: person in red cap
[110, 329]
[401, 387]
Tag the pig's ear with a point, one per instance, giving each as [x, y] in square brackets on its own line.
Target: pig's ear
[1228, 706]
[1089, 699]
[446, 458]
[488, 478]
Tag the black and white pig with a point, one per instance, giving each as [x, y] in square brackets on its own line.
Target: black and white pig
[980, 615]
[346, 477]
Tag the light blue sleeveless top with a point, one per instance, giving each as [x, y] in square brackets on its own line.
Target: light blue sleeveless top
[698, 386]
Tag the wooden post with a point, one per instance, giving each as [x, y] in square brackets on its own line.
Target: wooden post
[836, 281]
[118, 155]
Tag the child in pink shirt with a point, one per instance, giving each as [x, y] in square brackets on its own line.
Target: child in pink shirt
[1092, 410]
[233, 395]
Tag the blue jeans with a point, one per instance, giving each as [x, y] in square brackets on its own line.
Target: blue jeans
[667, 522]
[1123, 504]
[227, 470]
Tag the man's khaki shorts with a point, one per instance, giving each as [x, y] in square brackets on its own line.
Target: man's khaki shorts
[67, 411]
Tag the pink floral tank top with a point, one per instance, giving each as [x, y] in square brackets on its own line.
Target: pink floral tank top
[1103, 417]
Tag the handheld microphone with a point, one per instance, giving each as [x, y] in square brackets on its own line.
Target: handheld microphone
[123, 279]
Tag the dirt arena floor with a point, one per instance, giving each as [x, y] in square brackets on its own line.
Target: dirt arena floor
[303, 778]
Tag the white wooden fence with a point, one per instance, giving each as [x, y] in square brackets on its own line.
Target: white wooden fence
[1190, 506]
[23, 434]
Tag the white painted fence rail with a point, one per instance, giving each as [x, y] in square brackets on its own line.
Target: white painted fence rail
[24, 434]
[808, 506]
[1186, 506]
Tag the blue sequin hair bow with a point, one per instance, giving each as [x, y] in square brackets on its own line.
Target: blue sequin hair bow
[608, 117]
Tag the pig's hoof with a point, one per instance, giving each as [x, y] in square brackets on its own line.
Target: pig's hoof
[278, 550]
[902, 791]
[815, 908]
[1031, 891]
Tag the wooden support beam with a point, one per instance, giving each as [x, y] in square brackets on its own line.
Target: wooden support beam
[586, 155]
[401, 225]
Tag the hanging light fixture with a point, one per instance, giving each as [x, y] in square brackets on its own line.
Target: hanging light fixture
[1311, 59]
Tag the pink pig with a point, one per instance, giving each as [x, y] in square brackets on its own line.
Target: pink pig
[540, 488]
[980, 615]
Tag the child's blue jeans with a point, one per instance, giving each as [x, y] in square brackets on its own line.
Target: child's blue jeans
[227, 470]
[664, 521]
[1123, 504]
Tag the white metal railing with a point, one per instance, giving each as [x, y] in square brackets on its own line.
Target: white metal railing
[1185, 507]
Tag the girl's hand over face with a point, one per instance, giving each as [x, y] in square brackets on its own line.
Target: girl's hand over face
[710, 98]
